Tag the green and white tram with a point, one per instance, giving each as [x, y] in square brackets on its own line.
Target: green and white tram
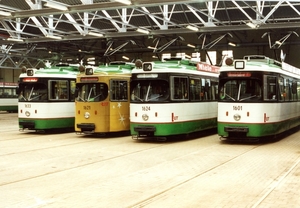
[173, 97]
[259, 97]
[8, 97]
[46, 98]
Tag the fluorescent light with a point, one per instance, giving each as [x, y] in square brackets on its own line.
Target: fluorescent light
[125, 57]
[190, 45]
[3, 13]
[252, 25]
[142, 31]
[232, 44]
[15, 39]
[150, 47]
[190, 27]
[127, 2]
[53, 37]
[56, 6]
[95, 34]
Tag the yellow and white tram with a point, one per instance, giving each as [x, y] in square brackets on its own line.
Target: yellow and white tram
[102, 99]
[259, 97]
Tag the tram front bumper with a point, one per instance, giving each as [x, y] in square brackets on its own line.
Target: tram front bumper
[27, 124]
[145, 131]
[86, 127]
[236, 129]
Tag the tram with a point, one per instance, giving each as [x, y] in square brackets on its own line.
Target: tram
[102, 99]
[46, 98]
[173, 97]
[259, 97]
[8, 97]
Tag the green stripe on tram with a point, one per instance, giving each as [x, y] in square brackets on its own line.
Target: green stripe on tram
[261, 130]
[9, 108]
[58, 123]
[168, 129]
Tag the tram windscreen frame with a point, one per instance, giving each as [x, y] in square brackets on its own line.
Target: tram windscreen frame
[149, 90]
[91, 92]
[240, 90]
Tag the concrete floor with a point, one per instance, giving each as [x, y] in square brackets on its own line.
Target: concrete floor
[69, 170]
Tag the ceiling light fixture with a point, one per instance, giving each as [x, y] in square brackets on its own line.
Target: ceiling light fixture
[127, 2]
[56, 6]
[15, 39]
[125, 57]
[231, 44]
[54, 37]
[252, 25]
[190, 45]
[151, 47]
[3, 13]
[143, 31]
[96, 34]
[190, 27]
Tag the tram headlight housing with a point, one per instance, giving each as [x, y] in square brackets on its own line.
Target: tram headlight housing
[89, 71]
[30, 72]
[145, 117]
[237, 117]
[86, 115]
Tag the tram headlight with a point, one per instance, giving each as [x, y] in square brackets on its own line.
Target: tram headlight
[237, 117]
[27, 113]
[145, 117]
[86, 115]
[89, 71]
[30, 72]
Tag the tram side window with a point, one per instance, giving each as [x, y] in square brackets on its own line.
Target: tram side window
[298, 90]
[214, 90]
[179, 88]
[72, 91]
[294, 91]
[283, 89]
[209, 89]
[270, 92]
[8, 93]
[195, 89]
[58, 89]
[118, 90]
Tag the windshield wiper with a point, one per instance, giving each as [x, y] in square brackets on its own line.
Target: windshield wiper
[154, 97]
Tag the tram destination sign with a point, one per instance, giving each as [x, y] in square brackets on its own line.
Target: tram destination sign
[207, 67]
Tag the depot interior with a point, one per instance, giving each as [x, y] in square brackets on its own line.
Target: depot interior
[38, 33]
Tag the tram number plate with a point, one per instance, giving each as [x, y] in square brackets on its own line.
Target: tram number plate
[146, 108]
[237, 107]
[87, 107]
[27, 105]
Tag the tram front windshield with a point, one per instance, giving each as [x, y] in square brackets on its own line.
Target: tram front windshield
[246, 90]
[149, 91]
[33, 92]
[92, 92]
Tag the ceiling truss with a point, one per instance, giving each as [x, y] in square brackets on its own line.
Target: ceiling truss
[28, 23]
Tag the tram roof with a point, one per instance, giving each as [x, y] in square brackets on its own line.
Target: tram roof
[179, 66]
[261, 63]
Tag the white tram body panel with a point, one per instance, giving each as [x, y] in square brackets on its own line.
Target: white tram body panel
[46, 110]
[257, 113]
[172, 112]
[9, 102]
